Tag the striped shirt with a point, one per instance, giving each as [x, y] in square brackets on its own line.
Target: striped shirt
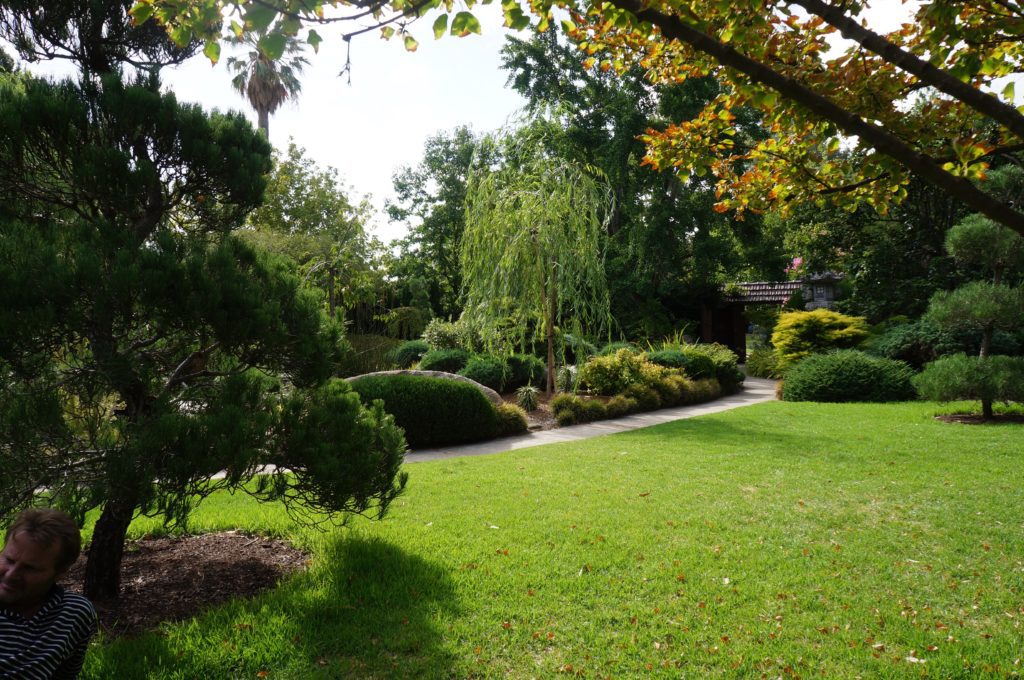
[52, 643]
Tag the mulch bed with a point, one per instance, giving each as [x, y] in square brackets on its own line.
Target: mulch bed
[538, 419]
[976, 419]
[172, 579]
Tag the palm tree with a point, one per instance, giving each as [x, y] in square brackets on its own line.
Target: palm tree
[267, 83]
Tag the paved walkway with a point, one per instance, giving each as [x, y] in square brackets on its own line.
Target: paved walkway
[755, 390]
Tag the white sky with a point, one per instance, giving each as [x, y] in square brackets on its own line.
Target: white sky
[379, 123]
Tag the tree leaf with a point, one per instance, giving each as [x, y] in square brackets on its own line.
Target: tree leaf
[212, 51]
[465, 23]
[272, 45]
[259, 17]
[141, 13]
[314, 40]
[440, 26]
[410, 43]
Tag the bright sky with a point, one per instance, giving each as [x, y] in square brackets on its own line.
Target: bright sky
[379, 123]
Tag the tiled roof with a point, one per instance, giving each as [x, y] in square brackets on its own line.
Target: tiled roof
[766, 291]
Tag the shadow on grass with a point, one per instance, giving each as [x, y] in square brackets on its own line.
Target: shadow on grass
[366, 609]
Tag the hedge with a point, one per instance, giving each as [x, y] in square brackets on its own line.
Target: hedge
[848, 375]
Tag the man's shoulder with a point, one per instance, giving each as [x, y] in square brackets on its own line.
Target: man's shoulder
[72, 605]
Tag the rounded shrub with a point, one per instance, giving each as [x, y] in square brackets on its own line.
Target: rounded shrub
[724, 362]
[511, 420]
[591, 410]
[705, 389]
[409, 352]
[441, 334]
[668, 390]
[524, 369]
[566, 408]
[450, 360]
[432, 411]
[646, 398]
[848, 375]
[487, 370]
[669, 358]
[798, 334]
[613, 373]
[620, 405]
[994, 378]
[699, 366]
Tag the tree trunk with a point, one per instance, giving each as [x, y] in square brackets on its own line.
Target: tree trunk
[103, 568]
[551, 304]
[264, 123]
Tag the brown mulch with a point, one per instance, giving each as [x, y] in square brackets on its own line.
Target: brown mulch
[538, 419]
[976, 419]
[172, 579]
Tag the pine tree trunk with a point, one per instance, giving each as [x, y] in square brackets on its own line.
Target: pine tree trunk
[103, 568]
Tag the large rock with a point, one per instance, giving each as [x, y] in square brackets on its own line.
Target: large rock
[491, 395]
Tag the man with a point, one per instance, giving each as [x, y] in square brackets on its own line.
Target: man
[44, 630]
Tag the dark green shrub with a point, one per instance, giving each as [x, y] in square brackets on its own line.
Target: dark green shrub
[524, 369]
[724, 361]
[620, 405]
[669, 358]
[614, 347]
[994, 378]
[699, 366]
[921, 342]
[441, 334]
[432, 411]
[528, 398]
[408, 353]
[566, 408]
[447, 360]
[487, 370]
[646, 398]
[511, 420]
[848, 375]
[762, 363]
[591, 410]
[611, 374]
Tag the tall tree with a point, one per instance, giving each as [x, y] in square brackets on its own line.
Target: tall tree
[144, 348]
[268, 75]
[431, 201]
[532, 253]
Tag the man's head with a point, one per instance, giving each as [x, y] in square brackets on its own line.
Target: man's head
[39, 547]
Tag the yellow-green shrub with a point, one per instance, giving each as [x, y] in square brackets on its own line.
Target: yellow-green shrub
[798, 334]
[612, 374]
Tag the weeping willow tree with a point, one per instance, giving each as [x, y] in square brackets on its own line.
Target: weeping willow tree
[533, 246]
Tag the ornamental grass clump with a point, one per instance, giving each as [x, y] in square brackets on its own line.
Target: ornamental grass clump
[511, 420]
[620, 405]
[528, 398]
[848, 375]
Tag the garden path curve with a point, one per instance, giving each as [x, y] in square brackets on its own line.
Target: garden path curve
[755, 390]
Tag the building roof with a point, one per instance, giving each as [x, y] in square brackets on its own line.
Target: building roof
[776, 292]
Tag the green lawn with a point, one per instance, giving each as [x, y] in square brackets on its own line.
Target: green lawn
[780, 539]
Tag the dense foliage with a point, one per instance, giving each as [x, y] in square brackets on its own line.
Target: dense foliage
[488, 370]
[987, 379]
[432, 411]
[446, 360]
[409, 352]
[799, 334]
[848, 375]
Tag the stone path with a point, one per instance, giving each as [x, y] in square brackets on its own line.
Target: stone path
[755, 390]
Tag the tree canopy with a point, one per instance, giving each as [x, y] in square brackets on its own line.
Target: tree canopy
[773, 56]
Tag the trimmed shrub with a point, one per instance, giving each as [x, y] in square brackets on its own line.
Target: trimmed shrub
[705, 389]
[682, 386]
[447, 360]
[432, 411]
[763, 363]
[799, 334]
[614, 347]
[995, 378]
[528, 398]
[668, 390]
[620, 405]
[646, 398]
[487, 370]
[612, 374]
[524, 369]
[724, 361]
[669, 358]
[921, 342]
[591, 410]
[408, 353]
[566, 408]
[511, 420]
[699, 366]
[848, 375]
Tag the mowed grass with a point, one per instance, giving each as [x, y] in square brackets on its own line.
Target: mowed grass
[777, 540]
